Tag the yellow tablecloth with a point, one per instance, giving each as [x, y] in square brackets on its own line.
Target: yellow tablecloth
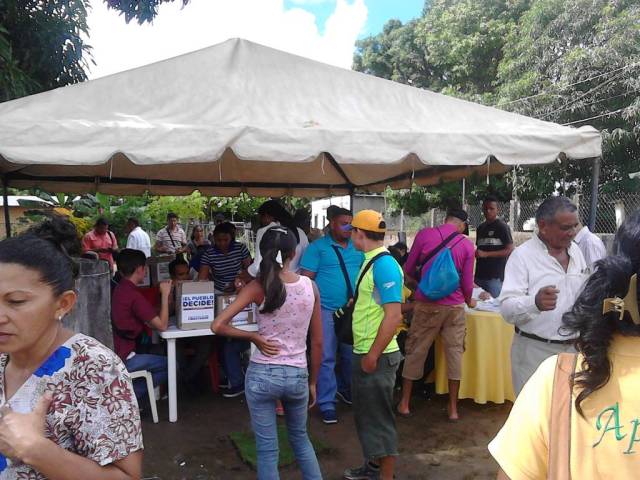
[486, 363]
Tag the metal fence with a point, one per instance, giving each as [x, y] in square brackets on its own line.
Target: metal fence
[520, 215]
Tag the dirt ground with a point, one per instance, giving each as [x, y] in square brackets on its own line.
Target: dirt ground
[197, 447]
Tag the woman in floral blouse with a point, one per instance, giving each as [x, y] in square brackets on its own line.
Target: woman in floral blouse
[67, 407]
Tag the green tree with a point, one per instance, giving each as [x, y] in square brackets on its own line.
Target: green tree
[192, 207]
[578, 62]
[568, 61]
[41, 44]
[464, 40]
[396, 54]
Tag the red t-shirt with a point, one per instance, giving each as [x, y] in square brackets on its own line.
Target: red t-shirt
[92, 242]
[130, 311]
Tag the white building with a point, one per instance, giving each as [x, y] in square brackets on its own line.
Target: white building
[361, 202]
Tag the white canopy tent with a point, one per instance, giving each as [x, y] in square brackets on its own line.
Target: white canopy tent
[239, 116]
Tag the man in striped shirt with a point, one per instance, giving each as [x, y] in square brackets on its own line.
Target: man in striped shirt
[171, 239]
[221, 263]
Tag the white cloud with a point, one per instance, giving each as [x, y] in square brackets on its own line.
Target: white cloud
[176, 30]
[311, 2]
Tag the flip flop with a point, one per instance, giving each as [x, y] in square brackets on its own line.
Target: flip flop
[404, 415]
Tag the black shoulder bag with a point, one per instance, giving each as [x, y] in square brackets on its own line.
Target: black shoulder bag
[343, 317]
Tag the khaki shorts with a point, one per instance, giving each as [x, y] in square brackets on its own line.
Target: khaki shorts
[429, 320]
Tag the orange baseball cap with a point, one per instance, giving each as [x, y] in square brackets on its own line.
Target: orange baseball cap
[369, 220]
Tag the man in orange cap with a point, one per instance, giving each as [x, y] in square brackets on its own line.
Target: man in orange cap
[376, 356]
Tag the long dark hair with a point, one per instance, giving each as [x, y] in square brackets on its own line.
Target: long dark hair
[275, 209]
[46, 248]
[595, 330]
[627, 241]
[276, 240]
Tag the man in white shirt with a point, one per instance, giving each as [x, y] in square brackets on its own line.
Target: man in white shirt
[543, 278]
[171, 239]
[591, 246]
[138, 239]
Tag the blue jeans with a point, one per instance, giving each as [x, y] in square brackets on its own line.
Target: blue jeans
[156, 364]
[491, 285]
[329, 380]
[231, 354]
[263, 386]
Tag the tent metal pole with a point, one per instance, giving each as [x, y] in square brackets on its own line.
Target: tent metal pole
[595, 182]
[5, 203]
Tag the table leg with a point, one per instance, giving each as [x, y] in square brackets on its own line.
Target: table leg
[173, 393]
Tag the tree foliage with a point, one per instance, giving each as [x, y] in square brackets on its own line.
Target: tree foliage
[42, 45]
[579, 62]
[558, 60]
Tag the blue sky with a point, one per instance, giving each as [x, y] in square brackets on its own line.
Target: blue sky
[380, 11]
[324, 30]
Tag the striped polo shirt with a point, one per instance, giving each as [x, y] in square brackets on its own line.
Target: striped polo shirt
[225, 267]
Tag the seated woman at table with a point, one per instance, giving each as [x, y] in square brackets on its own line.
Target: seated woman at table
[290, 306]
[592, 397]
[130, 313]
[66, 401]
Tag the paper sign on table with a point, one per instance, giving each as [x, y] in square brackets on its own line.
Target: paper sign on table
[195, 303]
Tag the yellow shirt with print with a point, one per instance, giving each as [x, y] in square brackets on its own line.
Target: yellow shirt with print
[605, 444]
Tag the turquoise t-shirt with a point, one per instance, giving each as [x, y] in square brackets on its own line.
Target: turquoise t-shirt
[321, 258]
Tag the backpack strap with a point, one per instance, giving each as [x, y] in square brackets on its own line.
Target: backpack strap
[560, 421]
[433, 252]
[364, 272]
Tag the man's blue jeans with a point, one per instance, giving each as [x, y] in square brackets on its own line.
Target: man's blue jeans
[491, 285]
[156, 364]
[329, 380]
[232, 351]
[264, 385]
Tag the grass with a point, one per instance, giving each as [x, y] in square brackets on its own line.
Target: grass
[246, 445]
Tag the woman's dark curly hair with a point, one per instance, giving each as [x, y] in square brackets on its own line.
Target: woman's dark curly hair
[595, 330]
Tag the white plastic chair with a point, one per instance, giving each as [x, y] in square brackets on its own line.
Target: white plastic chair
[150, 391]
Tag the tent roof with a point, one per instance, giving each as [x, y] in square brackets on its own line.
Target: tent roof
[239, 116]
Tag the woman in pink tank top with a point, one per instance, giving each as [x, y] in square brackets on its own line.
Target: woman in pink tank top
[289, 307]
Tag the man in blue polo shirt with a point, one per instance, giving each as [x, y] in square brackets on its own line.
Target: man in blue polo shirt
[321, 262]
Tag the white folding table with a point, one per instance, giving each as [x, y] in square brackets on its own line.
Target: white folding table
[171, 335]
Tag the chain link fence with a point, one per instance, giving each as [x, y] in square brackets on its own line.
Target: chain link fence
[520, 215]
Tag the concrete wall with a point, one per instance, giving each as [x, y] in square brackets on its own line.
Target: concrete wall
[92, 313]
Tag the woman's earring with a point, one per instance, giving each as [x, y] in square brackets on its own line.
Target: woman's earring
[60, 317]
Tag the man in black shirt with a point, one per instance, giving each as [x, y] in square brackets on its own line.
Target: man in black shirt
[495, 244]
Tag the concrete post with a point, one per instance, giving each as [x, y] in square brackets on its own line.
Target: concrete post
[620, 213]
[7, 210]
[595, 181]
[92, 313]
[512, 215]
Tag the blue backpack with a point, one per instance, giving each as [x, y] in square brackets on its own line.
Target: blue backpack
[442, 277]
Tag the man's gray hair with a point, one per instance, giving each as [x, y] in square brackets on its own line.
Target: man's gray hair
[552, 206]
